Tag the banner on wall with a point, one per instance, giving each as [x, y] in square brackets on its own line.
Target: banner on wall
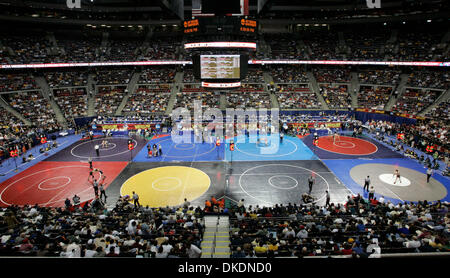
[125, 126]
[316, 125]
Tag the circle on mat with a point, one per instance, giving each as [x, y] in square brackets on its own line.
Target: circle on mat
[12, 187]
[113, 146]
[418, 190]
[166, 183]
[283, 182]
[344, 144]
[169, 185]
[192, 154]
[294, 170]
[390, 179]
[267, 155]
[54, 184]
[184, 146]
[72, 151]
[347, 145]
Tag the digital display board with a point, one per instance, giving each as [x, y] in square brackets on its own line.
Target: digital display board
[191, 26]
[247, 26]
[220, 67]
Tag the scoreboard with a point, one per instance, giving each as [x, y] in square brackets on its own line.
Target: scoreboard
[247, 25]
[191, 26]
[217, 25]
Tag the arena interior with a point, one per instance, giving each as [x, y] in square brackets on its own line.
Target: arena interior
[118, 138]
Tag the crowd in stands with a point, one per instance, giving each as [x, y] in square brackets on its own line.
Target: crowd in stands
[296, 97]
[17, 82]
[29, 49]
[336, 96]
[157, 75]
[411, 45]
[440, 112]
[188, 76]
[373, 97]
[66, 79]
[91, 230]
[34, 107]
[162, 49]
[254, 76]
[416, 46]
[284, 47]
[360, 228]
[324, 46]
[289, 74]
[413, 101]
[248, 99]
[379, 77]
[418, 136]
[148, 99]
[207, 99]
[72, 101]
[79, 50]
[113, 77]
[366, 46]
[123, 50]
[108, 99]
[429, 79]
[331, 75]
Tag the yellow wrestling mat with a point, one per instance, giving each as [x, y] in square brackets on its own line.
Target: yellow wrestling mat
[167, 186]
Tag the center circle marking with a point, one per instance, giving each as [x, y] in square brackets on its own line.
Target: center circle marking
[54, 178]
[180, 146]
[271, 155]
[284, 176]
[107, 149]
[341, 144]
[155, 183]
[390, 178]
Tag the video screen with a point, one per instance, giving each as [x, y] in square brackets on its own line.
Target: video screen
[220, 66]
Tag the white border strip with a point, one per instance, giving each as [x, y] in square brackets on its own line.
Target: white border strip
[251, 45]
[251, 62]
[327, 62]
[221, 85]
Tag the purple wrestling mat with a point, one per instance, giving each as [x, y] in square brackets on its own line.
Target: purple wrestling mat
[115, 150]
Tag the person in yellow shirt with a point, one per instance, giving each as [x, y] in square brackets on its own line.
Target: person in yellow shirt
[260, 249]
[272, 248]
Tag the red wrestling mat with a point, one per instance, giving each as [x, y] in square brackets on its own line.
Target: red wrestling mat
[50, 183]
[347, 145]
[300, 136]
[160, 136]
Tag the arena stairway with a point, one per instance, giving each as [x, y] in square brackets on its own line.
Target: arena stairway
[354, 88]
[400, 89]
[131, 87]
[268, 79]
[176, 88]
[47, 94]
[315, 88]
[11, 110]
[442, 98]
[91, 97]
[216, 238]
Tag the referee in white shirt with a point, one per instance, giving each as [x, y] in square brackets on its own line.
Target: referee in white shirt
[429, 174]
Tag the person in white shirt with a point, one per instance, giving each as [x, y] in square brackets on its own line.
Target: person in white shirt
[193, 251]
[73, 251]
[429, 174]
[97, 150]
[91, 252]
